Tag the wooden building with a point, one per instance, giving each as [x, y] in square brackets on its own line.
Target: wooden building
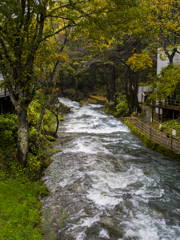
[6, 105]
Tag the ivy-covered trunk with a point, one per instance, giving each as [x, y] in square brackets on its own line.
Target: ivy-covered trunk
[23, 136]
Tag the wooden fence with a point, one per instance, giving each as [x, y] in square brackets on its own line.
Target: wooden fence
[165, 139]
[174, 105]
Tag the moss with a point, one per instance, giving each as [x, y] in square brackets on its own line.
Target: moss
[20, 208]
[50, 138]
[152, 145]
[99, 99]
[92, 101]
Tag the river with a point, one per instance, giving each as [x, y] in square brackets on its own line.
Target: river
[106, 185]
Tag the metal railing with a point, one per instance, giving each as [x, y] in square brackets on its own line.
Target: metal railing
[165, 139]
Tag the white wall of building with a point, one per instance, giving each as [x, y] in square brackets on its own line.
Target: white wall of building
[163, 63]
[141, 91]
[1, 77]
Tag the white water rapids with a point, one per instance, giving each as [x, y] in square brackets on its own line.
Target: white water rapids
[106, 185]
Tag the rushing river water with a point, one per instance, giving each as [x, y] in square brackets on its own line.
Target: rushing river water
[106, 185]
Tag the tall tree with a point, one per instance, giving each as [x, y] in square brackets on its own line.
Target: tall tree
[25, 26]
[161, 19]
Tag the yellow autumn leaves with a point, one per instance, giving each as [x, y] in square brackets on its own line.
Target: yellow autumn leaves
[139, 61]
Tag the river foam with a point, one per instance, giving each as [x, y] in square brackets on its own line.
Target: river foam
[108, 184]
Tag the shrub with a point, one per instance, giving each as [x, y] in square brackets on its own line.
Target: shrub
[33, 112]
[8, 129]
[122, 107]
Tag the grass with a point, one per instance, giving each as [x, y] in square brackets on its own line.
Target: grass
[20, 187]
[20, 207]
[167, 126]
[99, 97]
[19, 210]
[20, 191]
[152, 145]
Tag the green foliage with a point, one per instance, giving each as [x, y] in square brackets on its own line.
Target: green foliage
[48, 121]
[20, 187]
[33, 112]
[167, 82]
[148, 101]
[20, 190]
[122, 97]
[178, 92]
[19, 208]
[122, 106]
[8, 129]
[152, 145]
[168, 126]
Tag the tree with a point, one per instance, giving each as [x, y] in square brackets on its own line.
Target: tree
[112, 45]
[25, 26]
[167, 82]
[160, 19]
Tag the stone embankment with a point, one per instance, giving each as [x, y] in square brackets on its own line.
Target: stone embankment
[155, 140]
[150, 137]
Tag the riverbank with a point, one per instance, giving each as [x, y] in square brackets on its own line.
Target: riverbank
[151, 144]
[20, 187]
[20, 192]
[106, 184]
[165, 128]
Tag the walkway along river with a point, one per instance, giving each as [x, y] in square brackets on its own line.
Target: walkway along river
[107, 185]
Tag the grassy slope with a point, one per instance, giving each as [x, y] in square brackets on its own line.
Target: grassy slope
[19, 210]
[20, 188]
[20, 206]
[168, 126]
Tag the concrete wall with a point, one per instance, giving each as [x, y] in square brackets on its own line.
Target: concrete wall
[141, 90]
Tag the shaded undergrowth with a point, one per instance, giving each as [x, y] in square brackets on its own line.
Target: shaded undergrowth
[21, 187]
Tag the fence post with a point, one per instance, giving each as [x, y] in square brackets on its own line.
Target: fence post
[150, 132]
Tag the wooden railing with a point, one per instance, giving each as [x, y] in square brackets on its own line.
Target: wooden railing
[165, 139]
[170, 104]
[3, 93]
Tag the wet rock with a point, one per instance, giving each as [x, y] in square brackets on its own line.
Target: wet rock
[79, 189]
[112, 229]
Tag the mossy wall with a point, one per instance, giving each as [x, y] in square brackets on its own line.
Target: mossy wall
[152, 145]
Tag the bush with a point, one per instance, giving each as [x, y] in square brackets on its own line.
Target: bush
[122, 107]
[70, 92]
[33, 112]
[8, 129]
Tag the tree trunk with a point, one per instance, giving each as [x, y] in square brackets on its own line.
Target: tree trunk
[57, 122]
[57, 125]
[38, 126]
[23, 136]
[112, 80]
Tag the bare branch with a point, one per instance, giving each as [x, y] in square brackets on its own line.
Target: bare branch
[58, 31]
